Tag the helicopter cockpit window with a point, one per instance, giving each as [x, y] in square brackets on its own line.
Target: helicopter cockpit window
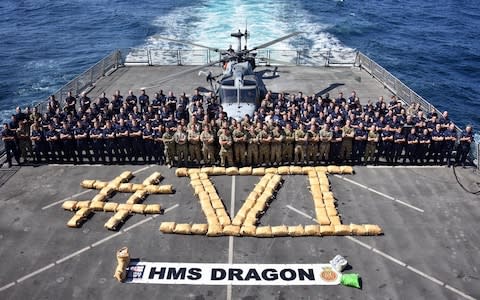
[228, 95]
[248, 95]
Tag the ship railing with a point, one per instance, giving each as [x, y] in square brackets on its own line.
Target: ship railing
[83, 82]
[404, 93]
[311, 57]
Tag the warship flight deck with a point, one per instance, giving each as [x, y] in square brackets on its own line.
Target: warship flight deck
[429, 249]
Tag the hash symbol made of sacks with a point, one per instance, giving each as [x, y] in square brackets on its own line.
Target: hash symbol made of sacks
[244, 223]
[122, 210]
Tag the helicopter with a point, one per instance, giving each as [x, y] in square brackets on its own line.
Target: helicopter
[238, 87]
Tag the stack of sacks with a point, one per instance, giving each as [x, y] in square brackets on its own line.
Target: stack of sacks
[245, 171]
[316, 190]
[181, 172]
[153, 209]
[88, 184]
[258, 171]
[80, 216]
[255, 205]
[119, 217]
[137, 197]
[218, 171]
[167, 227]
[206, 170]
[296, 170]
[333, 169]
[346, 170]
[232, 171]
[159, 189]
[368, 229]
[123, 259]
[183, 228]
[154, 178]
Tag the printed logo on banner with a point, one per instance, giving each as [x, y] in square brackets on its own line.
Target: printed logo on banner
[135, 271]
[328, 274]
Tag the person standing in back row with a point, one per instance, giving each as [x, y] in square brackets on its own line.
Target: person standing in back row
[466, 139]
[8, 138]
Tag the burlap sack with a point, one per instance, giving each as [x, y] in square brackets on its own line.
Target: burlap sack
[346, 170]
[97, 205]
[284, 170]
[342, 230]
[183, 229]
[83, 204]
[206, 170]
[126, 175]
[124, 206]
[218, 171]
[121, 215]
[312, 230]
[264, 231]
[84, 212]
[87, 183]
[112, 224]
[373, 229]
[123, 259]
[232, 171]
[70, 205]
[248, 230]
[181, 172]
[258, 171]
[335, 220]
[215, 230]
[75, 221]
[139, 208]
[110, 207]
[199, 229]
[167, 227]
[326, 230]
[231, 230]
[298, 230]
[245, 171]
[100, 185]
[153, 209]
[281, 230]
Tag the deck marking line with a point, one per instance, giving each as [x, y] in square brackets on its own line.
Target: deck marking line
[142, 169]
[35, 272]
[425, 275]
[382, 194]
[300, 212]
[106, 239]
[230, 238]
[389, 257]
[84, 192]
[7, 286]
[171, 208]
[137, 224]
[63, 200]
[397, 261]
[451, 288]
[409, 205]
[359, 242]
[73, 255]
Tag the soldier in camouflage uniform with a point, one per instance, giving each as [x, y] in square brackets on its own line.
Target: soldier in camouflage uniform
[239, 144]
[169, 147]
[226, 153]
[289, 143]
[252, 147]
[301, 140]
[372, 140]
[208, 145]
[347, 142]
[194, 144]
[277, 139]
[325, 139]
[265, 139]
[181, 145]
[312, 146]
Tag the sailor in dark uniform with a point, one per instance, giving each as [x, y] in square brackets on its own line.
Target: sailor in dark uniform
[424, 142]
[449, 144]
[68, 143]
[412, 146]
[39, 143]
[109, 138]
[85, 102]
[359, 143]
[399, 142]
[124, 145]
[70, 103]
[96, 136]
[81, 138]
[131, 101]
[144, 101]
[465, 140]
[135, 133]
[55, 145]
[9, 140]
[148, 136]
[437, 144]
[387, 144]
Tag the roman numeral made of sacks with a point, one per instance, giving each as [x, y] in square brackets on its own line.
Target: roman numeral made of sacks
[244, 223]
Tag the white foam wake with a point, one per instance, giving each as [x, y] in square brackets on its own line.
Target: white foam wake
[211, 22]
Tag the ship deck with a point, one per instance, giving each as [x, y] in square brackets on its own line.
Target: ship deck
[429, 248]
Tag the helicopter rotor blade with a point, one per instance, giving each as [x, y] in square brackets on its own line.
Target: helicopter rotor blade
[175, 75]
[185, 43]
[276, 41]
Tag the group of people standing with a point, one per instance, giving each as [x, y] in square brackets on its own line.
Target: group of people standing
[285, 129]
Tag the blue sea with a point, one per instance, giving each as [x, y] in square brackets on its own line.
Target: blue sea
[433, 46]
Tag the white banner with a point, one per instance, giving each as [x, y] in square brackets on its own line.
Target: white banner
[231, 274]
